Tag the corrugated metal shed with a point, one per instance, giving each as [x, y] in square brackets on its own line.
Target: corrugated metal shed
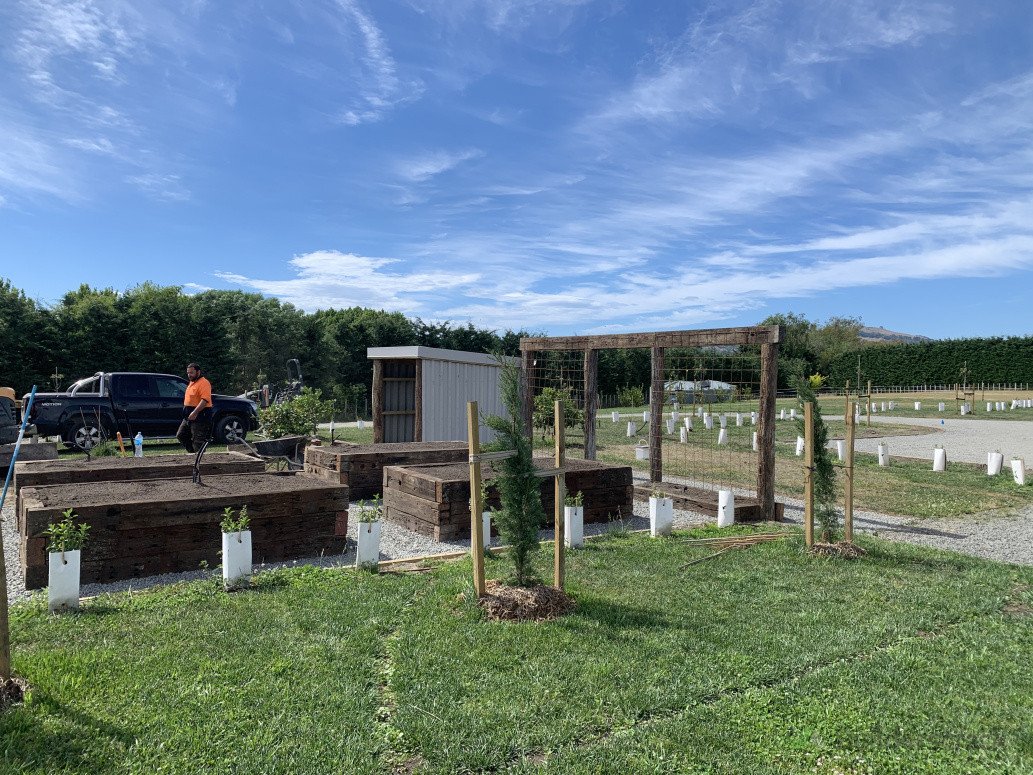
[420, 393]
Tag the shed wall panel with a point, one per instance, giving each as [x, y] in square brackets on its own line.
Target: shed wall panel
[447, 387]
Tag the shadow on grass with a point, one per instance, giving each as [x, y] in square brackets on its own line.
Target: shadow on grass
[31, 743]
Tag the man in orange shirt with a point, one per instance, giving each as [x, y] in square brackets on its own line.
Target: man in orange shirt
[197, 411]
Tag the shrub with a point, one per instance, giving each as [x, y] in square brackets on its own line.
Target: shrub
[297, 417]
[631, 395]
[824, 472]
[544, 411]
[521, 515]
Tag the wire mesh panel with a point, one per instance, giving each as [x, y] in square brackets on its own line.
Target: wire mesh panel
[694, 408]
[558, 375]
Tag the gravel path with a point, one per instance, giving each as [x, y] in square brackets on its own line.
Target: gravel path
[1006, 539]
[966, 441]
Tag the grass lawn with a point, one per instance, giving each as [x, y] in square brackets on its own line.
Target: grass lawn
[762, 661]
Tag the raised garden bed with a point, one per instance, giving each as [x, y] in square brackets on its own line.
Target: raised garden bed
[143, 528]
[45, 450]
[361, 466]
[80, 470]
[434, 500]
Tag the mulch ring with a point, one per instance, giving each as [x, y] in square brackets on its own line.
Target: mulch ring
[844, 549]
[524, 604]
[12, 691]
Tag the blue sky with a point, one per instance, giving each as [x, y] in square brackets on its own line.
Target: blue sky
[554, 165]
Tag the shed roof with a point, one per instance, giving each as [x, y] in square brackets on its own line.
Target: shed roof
[432, 354]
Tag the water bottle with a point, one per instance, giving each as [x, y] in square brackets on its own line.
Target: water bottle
[138, 445]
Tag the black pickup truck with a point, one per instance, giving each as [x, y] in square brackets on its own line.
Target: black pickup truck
[131, 402]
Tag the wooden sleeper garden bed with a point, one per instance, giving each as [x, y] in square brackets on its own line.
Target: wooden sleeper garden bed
[434, 500]
[143, 528]
[361, 466]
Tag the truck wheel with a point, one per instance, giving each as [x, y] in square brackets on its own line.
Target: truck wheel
[83, 436]
[230, 429]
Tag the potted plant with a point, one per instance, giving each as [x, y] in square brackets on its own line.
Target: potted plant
[661, 513]
[994, 463]
[574, 520]
[65, 542]
[939, 458]
[236, 545]
[367, 553]
[884, 454]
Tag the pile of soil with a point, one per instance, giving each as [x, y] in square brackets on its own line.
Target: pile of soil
[12, 692]
[844, 549]
[524, 604]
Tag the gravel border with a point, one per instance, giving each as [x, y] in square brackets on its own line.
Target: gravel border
[989, 536]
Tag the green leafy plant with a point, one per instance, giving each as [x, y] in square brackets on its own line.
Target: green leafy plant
[238, 524]
[521, 515]
[371, 511]
[106, 449]
[658, 493]
[545, 411]
[631, 395]
[575, 500]
[824, 471]
[66, 535]
[298, 417]
[816, 381]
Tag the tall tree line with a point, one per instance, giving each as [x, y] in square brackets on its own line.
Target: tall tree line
[240, 339]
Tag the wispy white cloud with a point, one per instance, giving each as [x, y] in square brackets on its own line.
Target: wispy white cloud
[380, 88]
[328, 278]
[426, 166]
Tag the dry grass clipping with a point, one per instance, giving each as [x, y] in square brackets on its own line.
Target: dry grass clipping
[524, 604]
[843, 549]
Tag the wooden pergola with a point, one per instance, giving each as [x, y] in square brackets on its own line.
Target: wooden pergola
[766, 337]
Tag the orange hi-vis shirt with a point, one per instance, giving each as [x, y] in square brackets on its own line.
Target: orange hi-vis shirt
[196, 390]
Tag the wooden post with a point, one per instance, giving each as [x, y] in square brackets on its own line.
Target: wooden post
[848, 506]
[869, 403]
[378, 401]
[656, 416]
[559, 572]
[766, 431]
[847, 410]
[527, 385]
[808, 480]
[591, 400]
[476, 506]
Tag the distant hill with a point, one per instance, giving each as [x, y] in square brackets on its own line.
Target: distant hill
[876, 334]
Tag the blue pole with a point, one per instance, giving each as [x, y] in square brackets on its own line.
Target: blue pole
[17, 446]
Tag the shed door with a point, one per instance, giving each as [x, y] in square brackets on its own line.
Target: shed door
[399, 401]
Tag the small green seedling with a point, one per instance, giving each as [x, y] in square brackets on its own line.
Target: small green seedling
[371, 511]
[577, 500]
[66, 535]
[231, 524]
[659, 494]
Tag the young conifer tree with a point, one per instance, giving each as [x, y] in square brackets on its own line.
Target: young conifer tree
[824, 472]
[522, 515]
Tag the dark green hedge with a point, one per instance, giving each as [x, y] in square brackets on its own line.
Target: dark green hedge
[1001, 360]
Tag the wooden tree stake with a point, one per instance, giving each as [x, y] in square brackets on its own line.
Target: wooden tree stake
[808, 481]
[560, 572]
[869, 403]
[476, 505]
[848, 506]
